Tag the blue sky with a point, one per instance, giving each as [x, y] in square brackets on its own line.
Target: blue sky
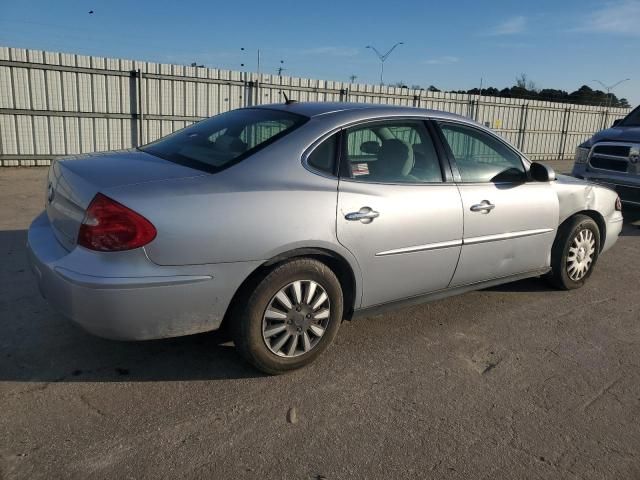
[448, 44]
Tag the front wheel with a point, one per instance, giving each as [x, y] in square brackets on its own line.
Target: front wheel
[574, 253]
[291, 317]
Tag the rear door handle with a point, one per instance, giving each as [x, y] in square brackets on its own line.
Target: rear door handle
[364, 215]
[483, 207]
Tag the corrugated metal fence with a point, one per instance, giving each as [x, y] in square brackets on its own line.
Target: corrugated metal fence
[54, 104]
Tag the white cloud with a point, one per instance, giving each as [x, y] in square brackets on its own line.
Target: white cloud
[510, 26]
[442, 60]
[622, 18]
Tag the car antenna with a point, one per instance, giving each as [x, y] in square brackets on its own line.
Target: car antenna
[288, 101]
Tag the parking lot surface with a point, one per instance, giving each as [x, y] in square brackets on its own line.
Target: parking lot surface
[518, 381]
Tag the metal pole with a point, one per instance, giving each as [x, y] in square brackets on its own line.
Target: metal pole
[141, 107]
[248, 90]
[520, 123]
[478, 104]
[563, 133]
[134, 108]
[470, 106]
[382, 58]
[523, 126]
[258, 98]
[605, 117]
[608, 88]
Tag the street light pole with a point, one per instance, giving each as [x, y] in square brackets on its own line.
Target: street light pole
[382, 58]
[611, 87]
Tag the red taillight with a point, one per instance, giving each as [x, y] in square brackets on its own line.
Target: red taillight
[109, 226]
[618, 204]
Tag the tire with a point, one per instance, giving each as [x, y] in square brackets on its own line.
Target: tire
[261, 316]
[568, 272]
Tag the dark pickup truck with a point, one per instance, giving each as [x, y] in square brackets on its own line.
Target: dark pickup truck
[612, 157]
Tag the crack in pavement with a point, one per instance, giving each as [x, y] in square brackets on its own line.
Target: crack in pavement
[603, 391]
[91, 407]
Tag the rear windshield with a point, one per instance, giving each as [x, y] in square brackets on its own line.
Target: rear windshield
[633, 119]
[221, 141]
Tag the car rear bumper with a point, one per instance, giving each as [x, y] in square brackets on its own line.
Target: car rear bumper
[127, 297]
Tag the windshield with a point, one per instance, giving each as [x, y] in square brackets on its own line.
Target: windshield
[221, 141]
[633, 119]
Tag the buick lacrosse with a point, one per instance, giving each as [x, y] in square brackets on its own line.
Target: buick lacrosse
[280, 221]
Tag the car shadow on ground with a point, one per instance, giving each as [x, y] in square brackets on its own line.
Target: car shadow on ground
[39, 345]
[76, 356]
[528, 285]
[631, 231]
[631, 222]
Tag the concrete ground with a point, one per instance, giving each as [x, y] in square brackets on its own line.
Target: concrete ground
[518, 381]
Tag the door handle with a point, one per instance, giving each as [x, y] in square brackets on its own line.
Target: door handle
[483, 207]
[364, 215]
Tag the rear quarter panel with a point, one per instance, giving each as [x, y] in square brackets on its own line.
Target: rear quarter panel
[206, 221]
[265, 205]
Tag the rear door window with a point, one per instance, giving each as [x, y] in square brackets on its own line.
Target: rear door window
[391, 152]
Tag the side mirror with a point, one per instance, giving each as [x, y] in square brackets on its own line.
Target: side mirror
[616, 122]
[542, 173]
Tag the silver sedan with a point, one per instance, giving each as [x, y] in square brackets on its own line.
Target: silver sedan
[281, 221]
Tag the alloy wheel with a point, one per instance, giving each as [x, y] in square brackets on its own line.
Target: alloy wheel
[581, 253]
[296, 318]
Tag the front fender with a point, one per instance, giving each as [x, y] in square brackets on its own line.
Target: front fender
[576, 196]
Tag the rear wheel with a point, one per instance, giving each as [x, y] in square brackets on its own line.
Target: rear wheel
[574, 253]
[291, 317]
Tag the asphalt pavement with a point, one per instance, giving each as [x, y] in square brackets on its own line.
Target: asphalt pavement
[518, 381]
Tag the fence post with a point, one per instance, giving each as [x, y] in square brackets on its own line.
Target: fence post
[605, 117]
[135, 106]
[522, 127]
[141, 108]
[470, 108]
[248, 93]
[563, 133]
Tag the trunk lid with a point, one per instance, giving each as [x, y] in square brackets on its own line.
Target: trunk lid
[74, 181]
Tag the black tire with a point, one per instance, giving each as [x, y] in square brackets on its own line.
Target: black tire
[559, 276]
[248, 321]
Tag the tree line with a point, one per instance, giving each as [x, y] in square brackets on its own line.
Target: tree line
[525, 88]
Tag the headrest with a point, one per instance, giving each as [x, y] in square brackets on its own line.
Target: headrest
[396, 157]
[372, 147]
[230, 144]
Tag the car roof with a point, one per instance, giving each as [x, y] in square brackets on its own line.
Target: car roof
[363, 110]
